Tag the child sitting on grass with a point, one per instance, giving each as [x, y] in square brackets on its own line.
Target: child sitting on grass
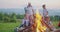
[49, 24]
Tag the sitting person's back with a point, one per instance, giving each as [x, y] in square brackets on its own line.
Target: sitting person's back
[25, 21]
[49, 24]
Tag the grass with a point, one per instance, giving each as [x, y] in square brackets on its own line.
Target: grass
[55, 23]
[9, 27]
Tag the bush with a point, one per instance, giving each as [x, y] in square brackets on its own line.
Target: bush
[13, 20]
[5, 17]
[20, 16]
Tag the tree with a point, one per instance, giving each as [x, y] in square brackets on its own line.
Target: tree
[1, 16]
[20, 16]
[13, 17]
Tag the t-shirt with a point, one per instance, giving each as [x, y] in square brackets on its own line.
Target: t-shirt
[25, 21]
[28, 10]
[45, 12]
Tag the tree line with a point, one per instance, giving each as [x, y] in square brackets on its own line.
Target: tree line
[13, 17]
[5, 17]
[55, 18]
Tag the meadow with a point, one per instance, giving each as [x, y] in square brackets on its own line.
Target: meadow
[9, 27]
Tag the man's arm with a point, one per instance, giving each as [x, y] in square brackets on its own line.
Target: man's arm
[33, 11]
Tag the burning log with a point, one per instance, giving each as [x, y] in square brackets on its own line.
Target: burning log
[26, 29]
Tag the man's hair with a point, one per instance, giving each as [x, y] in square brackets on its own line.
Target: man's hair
[43, 5]
[29, 4]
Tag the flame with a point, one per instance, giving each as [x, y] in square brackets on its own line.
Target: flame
[38, 19]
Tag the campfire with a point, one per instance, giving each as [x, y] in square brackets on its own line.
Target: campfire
[38, 25]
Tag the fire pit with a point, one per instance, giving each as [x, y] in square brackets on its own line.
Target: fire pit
[38, 25]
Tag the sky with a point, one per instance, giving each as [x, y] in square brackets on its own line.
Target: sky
[53, 4]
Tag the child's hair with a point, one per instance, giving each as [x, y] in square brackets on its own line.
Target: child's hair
[47, 17]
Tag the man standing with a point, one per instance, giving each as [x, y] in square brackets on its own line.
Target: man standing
[29, 12]
[45, 12]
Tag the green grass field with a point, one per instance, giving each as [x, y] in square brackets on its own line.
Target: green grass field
[55, 24]
[9, 27]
